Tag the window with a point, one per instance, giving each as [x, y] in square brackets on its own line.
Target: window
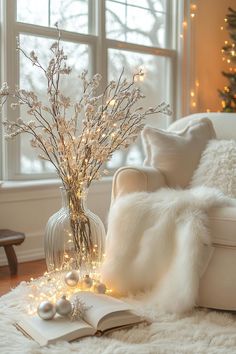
[99, 35]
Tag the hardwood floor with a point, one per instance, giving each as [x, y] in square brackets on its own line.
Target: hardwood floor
[25, 271]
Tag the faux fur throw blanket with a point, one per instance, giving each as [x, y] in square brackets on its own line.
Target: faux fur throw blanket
[160, 242]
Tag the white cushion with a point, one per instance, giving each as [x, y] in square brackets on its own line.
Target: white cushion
[224, 123]
[222, 225]
[217, 167]
[177, 154]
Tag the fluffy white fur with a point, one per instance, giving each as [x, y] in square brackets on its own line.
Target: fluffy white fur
[160, 242]
[217, 167]
[200, 331]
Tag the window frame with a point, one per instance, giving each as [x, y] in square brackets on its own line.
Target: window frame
[99, 44]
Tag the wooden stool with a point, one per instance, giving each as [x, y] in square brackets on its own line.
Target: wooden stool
[8, 238]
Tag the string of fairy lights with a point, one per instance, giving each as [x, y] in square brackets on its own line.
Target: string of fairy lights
[46, 292]
[194, 89]
[233, 51]
[228, 57]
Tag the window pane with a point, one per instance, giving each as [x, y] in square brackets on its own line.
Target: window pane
[71, 15]
[156, 5]
[142, 22]
[156, 81]
[134, 156]
[31, 78]
[156, 86]
[117, 160]
[31, 11]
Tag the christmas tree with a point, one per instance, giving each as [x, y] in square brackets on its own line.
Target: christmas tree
[228, 94]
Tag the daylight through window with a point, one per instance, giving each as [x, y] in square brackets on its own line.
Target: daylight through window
[99, 35]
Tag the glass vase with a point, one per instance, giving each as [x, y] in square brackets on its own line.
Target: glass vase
[74, 236]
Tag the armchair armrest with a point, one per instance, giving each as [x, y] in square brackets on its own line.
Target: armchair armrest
[136, 179]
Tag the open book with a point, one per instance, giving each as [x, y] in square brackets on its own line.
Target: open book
[103, 313]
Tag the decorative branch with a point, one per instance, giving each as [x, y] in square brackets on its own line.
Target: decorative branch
[78, 144]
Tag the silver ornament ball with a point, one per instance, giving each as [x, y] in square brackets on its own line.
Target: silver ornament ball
[87, 281]
[100, 288]
[72, 278]
[46, 310]
[63, 306]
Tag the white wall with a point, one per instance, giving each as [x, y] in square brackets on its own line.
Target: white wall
[26, 208]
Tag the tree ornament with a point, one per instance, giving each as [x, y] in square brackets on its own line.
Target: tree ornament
[87, 281]
[63, 306]
[46, 310]
[72, 278]
[100, 288]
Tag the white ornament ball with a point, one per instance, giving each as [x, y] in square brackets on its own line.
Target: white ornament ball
[63, 306]
[100, 288]
[72, 278]
[46, 310]
[87, 281]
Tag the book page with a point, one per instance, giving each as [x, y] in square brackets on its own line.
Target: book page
[102, 306]
[47, 332]
[118, 319]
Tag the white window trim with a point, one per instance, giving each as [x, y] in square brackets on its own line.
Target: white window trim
[99, 45]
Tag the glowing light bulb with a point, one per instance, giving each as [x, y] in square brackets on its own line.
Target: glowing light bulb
[112, 102]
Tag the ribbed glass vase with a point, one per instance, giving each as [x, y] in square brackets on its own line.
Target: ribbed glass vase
[74, 236]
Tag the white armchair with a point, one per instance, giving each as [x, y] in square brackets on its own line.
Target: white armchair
[218, 283]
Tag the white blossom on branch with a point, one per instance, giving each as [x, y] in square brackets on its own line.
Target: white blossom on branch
[79, 136]
[78, 144]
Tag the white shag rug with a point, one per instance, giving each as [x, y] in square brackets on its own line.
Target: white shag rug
[200, 331]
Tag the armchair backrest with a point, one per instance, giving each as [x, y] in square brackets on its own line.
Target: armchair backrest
[224, 123]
